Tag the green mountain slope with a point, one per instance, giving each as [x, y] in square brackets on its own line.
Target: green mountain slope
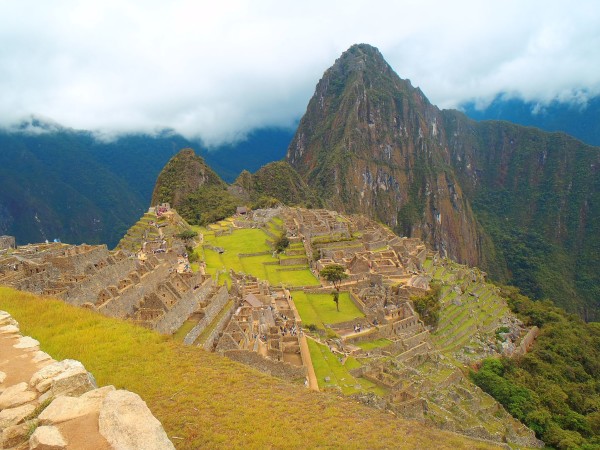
[52, 187]
[61, 183]
[538, 196]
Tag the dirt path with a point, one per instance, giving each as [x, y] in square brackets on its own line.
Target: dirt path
[19, 364]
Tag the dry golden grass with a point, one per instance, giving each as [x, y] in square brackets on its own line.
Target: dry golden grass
[207, 401]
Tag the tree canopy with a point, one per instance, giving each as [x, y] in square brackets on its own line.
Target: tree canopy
[334, 273]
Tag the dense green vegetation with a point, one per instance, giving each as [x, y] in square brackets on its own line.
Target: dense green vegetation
[207, 205]
[555, 388]
[537, 196]
[428, 306]
[276, 182]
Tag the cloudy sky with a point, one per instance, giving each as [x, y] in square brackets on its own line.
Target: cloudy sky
[218, 69]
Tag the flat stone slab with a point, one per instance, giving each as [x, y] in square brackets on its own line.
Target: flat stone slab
[9, 329]
[63, 409]
[27, 343]
[41, 356]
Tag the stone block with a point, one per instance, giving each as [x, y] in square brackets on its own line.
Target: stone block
[27, 343]
[14, 435]
[63, 409]
[47, 438]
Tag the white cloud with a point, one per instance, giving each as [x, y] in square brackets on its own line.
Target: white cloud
[218, 71]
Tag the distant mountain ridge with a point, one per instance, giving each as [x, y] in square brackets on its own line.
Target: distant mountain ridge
[579, 120]
[521, 203]
[61, 183]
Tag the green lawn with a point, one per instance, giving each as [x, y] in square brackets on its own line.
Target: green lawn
[374, 344]
[327, 364]
[252, 240]
[185, 329]
[318, 309]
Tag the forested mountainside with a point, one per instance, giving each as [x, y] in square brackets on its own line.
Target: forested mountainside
[579, 119]
[61, 183]
[519, 202]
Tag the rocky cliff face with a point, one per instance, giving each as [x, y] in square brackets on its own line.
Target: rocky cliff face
[371, 143]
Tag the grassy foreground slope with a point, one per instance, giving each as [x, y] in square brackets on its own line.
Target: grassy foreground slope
[208, 401]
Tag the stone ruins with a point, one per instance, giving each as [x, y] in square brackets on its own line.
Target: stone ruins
[148, 280]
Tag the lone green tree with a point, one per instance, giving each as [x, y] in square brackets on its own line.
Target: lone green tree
[335, 273]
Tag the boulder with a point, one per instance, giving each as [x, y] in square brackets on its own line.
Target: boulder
[16, 395]
[2, 377]
[127, 423]
[67, 377]
[14, 416]
[67, 408]
[47, 438]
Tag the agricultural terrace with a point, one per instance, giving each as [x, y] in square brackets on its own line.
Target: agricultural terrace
[331, 367]
[247, 250]
[319, 309]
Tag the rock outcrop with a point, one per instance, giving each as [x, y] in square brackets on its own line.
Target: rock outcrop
[56, 405]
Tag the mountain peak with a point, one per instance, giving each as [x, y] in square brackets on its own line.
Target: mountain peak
[184, 174]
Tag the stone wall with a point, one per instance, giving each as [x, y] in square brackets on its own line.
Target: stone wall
[219, 327]
[87, 291]
[184, 308]
[293, 261]
[124, 305]
[215, 306]
[80, 258]
[527, 341]
[277, 369]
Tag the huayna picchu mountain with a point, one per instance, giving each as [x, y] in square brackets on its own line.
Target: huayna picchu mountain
[371, 143]
[517, 201]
